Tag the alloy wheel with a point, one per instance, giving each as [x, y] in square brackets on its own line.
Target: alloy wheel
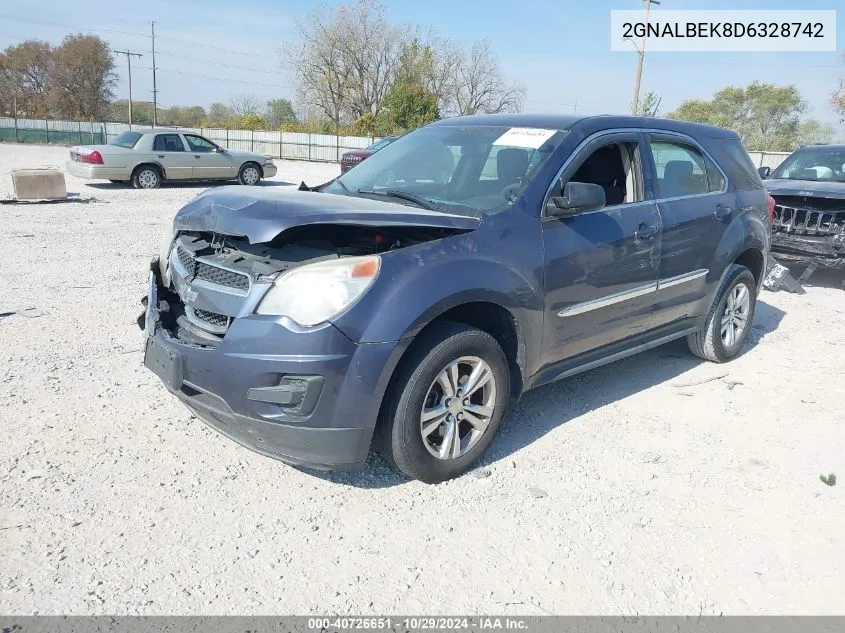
[458, 407]
[735, 317]
[148, 179]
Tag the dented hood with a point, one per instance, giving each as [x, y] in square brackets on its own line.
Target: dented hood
[261, 213]
[806, 188]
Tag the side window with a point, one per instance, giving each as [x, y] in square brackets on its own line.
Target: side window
[199, 144]
[168, 143]
[681, 170]
[614, 168]
[715, 179]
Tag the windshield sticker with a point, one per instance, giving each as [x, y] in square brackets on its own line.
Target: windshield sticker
[529, 137]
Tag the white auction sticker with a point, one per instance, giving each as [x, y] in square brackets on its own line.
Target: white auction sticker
[727, 30]
[528, 137]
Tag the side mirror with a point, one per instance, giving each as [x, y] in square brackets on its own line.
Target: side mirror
[764, 171]
[577, 197]
[220, 150]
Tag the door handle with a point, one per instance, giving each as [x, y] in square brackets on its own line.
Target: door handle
[161, 155]
[196, 156]
[645, 232]
[722, 212]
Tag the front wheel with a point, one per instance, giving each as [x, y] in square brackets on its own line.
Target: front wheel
[729, 320]
[250, 174]
[446, 404]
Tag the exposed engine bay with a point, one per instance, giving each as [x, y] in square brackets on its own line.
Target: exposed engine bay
[209, 278]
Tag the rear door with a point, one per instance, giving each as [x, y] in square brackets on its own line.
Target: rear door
[208, 163]
[695, 209]
[169, 151]
[601, 266]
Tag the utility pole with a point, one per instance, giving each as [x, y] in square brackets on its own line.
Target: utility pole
[129, 56]
[155, 90]
[641, 54]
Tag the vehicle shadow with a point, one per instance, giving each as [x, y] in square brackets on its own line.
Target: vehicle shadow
[821, 278]
[546, 408]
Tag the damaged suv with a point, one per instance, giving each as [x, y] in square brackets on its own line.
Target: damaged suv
[407, 302]
[809, 216]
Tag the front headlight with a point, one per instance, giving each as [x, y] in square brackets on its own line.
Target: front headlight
[314, 293]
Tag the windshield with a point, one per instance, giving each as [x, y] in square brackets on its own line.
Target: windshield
[817, 163]
[458, 169]
[126, 139]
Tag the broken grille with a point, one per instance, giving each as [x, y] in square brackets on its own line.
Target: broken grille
[215, 319]
[808, 221]
[212, 274]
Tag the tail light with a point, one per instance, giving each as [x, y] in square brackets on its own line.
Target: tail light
[92, 158]
[771, 204]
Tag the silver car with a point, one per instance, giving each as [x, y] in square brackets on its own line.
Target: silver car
[148, 158]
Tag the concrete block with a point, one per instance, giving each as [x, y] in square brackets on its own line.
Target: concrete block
[39, 184]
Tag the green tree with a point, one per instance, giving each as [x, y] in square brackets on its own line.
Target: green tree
[25, 78]
[649, 105]
[249, 121]
[813, 131]
[279, 112]
[82, 78]
[767, 117]
[407, 106]
[142, 111]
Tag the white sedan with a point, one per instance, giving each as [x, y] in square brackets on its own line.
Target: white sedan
[148, 158]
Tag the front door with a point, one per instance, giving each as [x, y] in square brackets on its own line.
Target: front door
[601, 266]
[695, 209]
[209, 162]
[169, 151]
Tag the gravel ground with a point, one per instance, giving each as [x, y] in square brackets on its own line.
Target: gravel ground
[628, 489]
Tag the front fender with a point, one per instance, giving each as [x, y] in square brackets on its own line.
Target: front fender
[499, 264]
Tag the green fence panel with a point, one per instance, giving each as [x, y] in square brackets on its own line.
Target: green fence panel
[57, 137]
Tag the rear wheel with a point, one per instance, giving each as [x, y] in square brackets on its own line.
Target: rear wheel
[146, 177]
[250, 174]
[729, 320]
[446, 404]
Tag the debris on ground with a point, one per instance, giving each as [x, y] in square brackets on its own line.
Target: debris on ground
[830, 480]
[778, 276]
[695, 383]
[30, 313]
[538, 493]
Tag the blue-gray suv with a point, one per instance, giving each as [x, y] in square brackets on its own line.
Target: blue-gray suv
[407, 302]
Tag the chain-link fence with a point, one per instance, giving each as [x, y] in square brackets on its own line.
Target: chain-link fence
[287, 145]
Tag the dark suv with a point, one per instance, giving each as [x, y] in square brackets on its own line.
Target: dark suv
[809, 221]
[400, 307]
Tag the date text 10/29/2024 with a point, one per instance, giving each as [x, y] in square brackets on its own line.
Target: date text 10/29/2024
[417, 624]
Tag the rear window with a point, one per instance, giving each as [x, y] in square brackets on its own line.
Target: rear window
[736, 152]
[126, 139]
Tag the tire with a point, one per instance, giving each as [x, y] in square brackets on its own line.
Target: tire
[436, 457]
[722, 338]
[249, 174]
[146, 177]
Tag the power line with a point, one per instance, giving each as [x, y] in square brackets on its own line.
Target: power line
[70, 26]
[214, 78]
[219, 64]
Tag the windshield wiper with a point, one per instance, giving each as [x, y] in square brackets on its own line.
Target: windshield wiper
[425, 203]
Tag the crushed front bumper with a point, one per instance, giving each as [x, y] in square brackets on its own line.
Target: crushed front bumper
[308, 397]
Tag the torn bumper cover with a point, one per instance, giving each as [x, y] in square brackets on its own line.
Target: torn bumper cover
[281, 393]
